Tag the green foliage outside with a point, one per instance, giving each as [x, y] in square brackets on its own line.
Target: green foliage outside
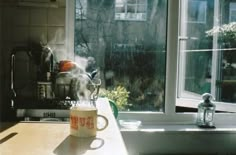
[119, 95]
[226, 33]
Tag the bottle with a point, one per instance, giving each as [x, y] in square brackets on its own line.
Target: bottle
[48, 76]
[206, 111]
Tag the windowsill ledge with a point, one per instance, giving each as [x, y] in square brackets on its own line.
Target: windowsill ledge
[181, 128]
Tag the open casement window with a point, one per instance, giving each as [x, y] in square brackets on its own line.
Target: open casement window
[207, 56]
[127, 48]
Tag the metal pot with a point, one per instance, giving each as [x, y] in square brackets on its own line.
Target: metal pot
[44, 90]
[63, 85]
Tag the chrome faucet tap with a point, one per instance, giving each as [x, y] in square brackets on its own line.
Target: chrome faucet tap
[12, 72]
[12, 92]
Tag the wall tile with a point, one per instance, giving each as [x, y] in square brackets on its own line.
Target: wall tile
[0, 27]
[56, 35]
[7, 33]
[61, 3]
[38, 34]
[7, 24]
[38, 16]
[56, 17]
[1, 42]
[20, 34]
[59, 52]
[21, 16]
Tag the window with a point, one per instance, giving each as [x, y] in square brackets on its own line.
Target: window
[131, 55]
[232, 12]
[197, 11]
[81, 9]
[207, 55]
[180, 49]
[131, 10]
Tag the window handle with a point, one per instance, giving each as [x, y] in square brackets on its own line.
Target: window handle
[187, 38]
[183, 38]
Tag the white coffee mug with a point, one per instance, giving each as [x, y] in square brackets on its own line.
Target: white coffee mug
[83, 121]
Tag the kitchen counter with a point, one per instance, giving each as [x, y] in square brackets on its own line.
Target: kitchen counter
[53, 138]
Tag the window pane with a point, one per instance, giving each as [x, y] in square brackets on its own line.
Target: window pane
[120, 9]
[197, 11]
[81, 9]
[131, 1]
[130, 8]
[207, 51]
[141, 9]
[232, 17]
[141, 1]
[133, 10]
[120, 2]
[129, 54]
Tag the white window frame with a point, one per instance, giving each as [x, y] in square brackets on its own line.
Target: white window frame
[190, 99]
[169, 116]
[182, 93]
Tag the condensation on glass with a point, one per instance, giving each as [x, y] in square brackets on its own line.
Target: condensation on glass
[127, 38]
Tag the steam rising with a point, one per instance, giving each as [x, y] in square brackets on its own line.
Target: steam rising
[80, 85]
[85, 66]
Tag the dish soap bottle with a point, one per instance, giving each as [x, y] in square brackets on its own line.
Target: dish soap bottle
[206, 110]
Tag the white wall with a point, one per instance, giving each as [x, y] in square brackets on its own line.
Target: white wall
[180, 142]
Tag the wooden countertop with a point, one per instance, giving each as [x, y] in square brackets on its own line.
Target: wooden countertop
[53, 138]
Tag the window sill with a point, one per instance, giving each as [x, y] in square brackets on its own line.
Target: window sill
[180, 128]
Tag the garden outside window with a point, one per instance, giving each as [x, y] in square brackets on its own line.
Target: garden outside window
[165, 62]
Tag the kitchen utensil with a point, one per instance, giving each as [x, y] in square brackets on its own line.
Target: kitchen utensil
[44, 90]
[62, 85]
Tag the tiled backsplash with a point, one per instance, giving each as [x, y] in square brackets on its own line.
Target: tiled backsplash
[34, 24]
[19, 25]
[1, 73]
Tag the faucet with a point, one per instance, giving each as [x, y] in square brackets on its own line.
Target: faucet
[12, 73]
[12, 91]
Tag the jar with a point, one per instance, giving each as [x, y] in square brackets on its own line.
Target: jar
[206, 111]
[62, 85]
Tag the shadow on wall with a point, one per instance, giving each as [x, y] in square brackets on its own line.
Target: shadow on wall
[22, 25]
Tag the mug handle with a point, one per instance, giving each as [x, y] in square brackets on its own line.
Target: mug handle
[106, 122]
